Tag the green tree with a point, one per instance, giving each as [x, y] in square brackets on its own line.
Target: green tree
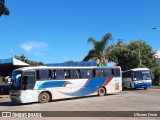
[136, 54]
[123, 57]
[3, 9]
[144, 53]
[100, 51]
[30, 62]
[22, 58]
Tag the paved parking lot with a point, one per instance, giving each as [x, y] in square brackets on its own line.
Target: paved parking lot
[128, 100]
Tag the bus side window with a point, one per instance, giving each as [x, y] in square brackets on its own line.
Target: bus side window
[44, 75]
[79, 74]
[73, 74]
[107, 73]
[127, 74]
[83, 73]
[86, 73]
[67, 74]
[132, 75]
[37, 74]
[50, 75]
[123, 74]
[60, 74]
[53, 74]
[90, 73]
[99, 73]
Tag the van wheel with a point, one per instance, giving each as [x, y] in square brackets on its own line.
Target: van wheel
[101, 91]
[44, 97]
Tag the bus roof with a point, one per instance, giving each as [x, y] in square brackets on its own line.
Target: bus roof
[68, 64]
[56, 67]
[137, 69]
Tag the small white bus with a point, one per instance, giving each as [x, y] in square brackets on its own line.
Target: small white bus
[136, 78]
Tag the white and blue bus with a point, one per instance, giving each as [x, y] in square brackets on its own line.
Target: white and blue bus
[43, 83]
[136, 78]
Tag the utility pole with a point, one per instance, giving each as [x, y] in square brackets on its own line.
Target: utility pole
[139, 54]
[140, 63]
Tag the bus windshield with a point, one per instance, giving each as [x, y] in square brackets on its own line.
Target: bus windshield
[16, 80]
[141, 75]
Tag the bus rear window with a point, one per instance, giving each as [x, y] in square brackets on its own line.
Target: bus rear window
[116, 72]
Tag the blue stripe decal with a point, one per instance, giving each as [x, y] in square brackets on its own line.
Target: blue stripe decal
[91, 87]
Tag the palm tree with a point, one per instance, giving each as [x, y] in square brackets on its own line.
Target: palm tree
[3, 8]
[100, 50]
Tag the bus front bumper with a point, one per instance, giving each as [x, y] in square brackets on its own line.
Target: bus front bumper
[15, 97]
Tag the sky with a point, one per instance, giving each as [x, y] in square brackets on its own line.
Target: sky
[55, 31]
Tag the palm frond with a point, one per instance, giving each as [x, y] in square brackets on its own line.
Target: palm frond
[3, 9]
[6, 11]
[105, 40]
[91, 55]
[107, 36]
[93, 41]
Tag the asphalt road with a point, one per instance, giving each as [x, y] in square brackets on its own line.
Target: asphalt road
[128, 100]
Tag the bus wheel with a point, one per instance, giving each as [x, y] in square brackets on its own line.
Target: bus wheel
[44, 97]
[145, 88]
[101, 91]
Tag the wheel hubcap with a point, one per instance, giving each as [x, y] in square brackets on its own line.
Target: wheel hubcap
[43, 98]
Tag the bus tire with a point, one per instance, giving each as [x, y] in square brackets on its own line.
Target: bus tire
[101, 91]
[145, 88]
[44, 97]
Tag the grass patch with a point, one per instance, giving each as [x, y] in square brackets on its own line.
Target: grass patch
[155, 87]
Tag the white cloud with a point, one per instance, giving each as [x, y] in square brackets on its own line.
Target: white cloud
[34, 47]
